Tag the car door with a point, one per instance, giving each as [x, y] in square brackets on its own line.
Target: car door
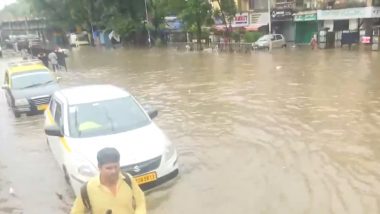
[7, 89]
[56, 117]
[280, 40]
[275, 41]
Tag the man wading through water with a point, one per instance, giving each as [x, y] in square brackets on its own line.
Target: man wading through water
[111, 191]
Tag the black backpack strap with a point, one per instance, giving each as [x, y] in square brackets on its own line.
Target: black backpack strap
[127, 180]
[85, 198]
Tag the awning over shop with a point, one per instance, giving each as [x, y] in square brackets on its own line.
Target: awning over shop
[172, 23]
[257, 20]
[219, 27]
[254, 27]
[245, 21]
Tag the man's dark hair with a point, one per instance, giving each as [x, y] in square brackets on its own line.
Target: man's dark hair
[108, 155]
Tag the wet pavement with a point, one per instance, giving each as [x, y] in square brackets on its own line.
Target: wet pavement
[295, 131]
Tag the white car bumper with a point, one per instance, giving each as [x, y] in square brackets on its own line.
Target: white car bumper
[166, 171]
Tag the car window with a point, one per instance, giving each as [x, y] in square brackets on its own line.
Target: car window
[6, 78]
[52, 106]
[31, 79]
[278, 37]
[58, 115]
[106, 117]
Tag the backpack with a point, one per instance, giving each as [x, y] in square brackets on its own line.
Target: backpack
[86, 199]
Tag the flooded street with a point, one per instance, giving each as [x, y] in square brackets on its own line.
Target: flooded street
[295, 131]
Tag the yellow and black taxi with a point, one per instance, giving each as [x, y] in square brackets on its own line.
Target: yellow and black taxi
[28, 86]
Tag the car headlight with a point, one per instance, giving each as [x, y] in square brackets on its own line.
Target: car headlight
[87, 171]
[169, 151]
[21, 102]
[84, 168]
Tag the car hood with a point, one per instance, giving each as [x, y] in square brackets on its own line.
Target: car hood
[135, 146]
[35, 91]
[262, 42]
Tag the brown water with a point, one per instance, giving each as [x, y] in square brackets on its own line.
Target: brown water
[295, 131]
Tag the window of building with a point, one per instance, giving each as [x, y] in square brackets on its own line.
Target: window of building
[259, 5]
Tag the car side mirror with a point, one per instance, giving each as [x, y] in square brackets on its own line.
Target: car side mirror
[53, 130]
[152, 112]
[5, 86]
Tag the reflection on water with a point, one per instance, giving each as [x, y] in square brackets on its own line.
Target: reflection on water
[295, 131]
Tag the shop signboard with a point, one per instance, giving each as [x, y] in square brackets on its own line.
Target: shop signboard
[305, 17]
[349, 13]
[240, 20]
[285, 14]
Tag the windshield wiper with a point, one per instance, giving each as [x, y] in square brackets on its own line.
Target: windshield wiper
[47, 82]
[109, 119]
[38, 84]
[76, 123]
[33, 85]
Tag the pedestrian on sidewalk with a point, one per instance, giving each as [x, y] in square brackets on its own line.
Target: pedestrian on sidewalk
[111, 191]
[61, 58]
[314, 42]
[44, 59]
[53, 60]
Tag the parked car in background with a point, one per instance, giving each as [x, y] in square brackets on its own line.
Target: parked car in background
[80, 121]
[28, 86]
[78, 39]
[277, 40]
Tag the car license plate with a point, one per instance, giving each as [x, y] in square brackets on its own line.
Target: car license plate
[42, 107]
[146, 178]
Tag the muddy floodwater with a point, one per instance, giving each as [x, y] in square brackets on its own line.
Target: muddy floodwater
[292, 131]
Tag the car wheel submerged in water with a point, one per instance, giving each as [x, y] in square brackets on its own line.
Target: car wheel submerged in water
[16, 114]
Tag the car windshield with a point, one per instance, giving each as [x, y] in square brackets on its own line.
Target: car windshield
[106, 117]
[264, 38]
[31, 79]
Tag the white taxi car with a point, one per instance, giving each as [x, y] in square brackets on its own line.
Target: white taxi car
[80, 121]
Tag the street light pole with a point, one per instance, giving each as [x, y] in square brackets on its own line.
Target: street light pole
[146, 22]
[270, 26]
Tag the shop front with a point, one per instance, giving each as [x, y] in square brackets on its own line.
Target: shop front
[349, 21]
[306, 26]
[282, 23]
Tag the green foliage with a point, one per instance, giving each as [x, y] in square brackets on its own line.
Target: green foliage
[228, 9]
[196, 14]
[250, 37]
[127, 17]
[236, 36]
[16, 10]
[158, 42]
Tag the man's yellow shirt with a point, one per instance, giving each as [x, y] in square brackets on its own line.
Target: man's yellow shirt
[102, 199]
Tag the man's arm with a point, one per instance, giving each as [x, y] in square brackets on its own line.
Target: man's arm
[78, 207]
[139, 198]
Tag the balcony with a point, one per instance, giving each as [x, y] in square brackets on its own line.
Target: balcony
[340, 4]
[285, 5]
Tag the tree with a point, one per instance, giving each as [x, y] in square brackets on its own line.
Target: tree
[227, 11]
[16, 10]
[124, 17]
[196, 14]
[158, 9]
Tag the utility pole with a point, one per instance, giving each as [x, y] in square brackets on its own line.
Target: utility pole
[146, 22]
[270, 25]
